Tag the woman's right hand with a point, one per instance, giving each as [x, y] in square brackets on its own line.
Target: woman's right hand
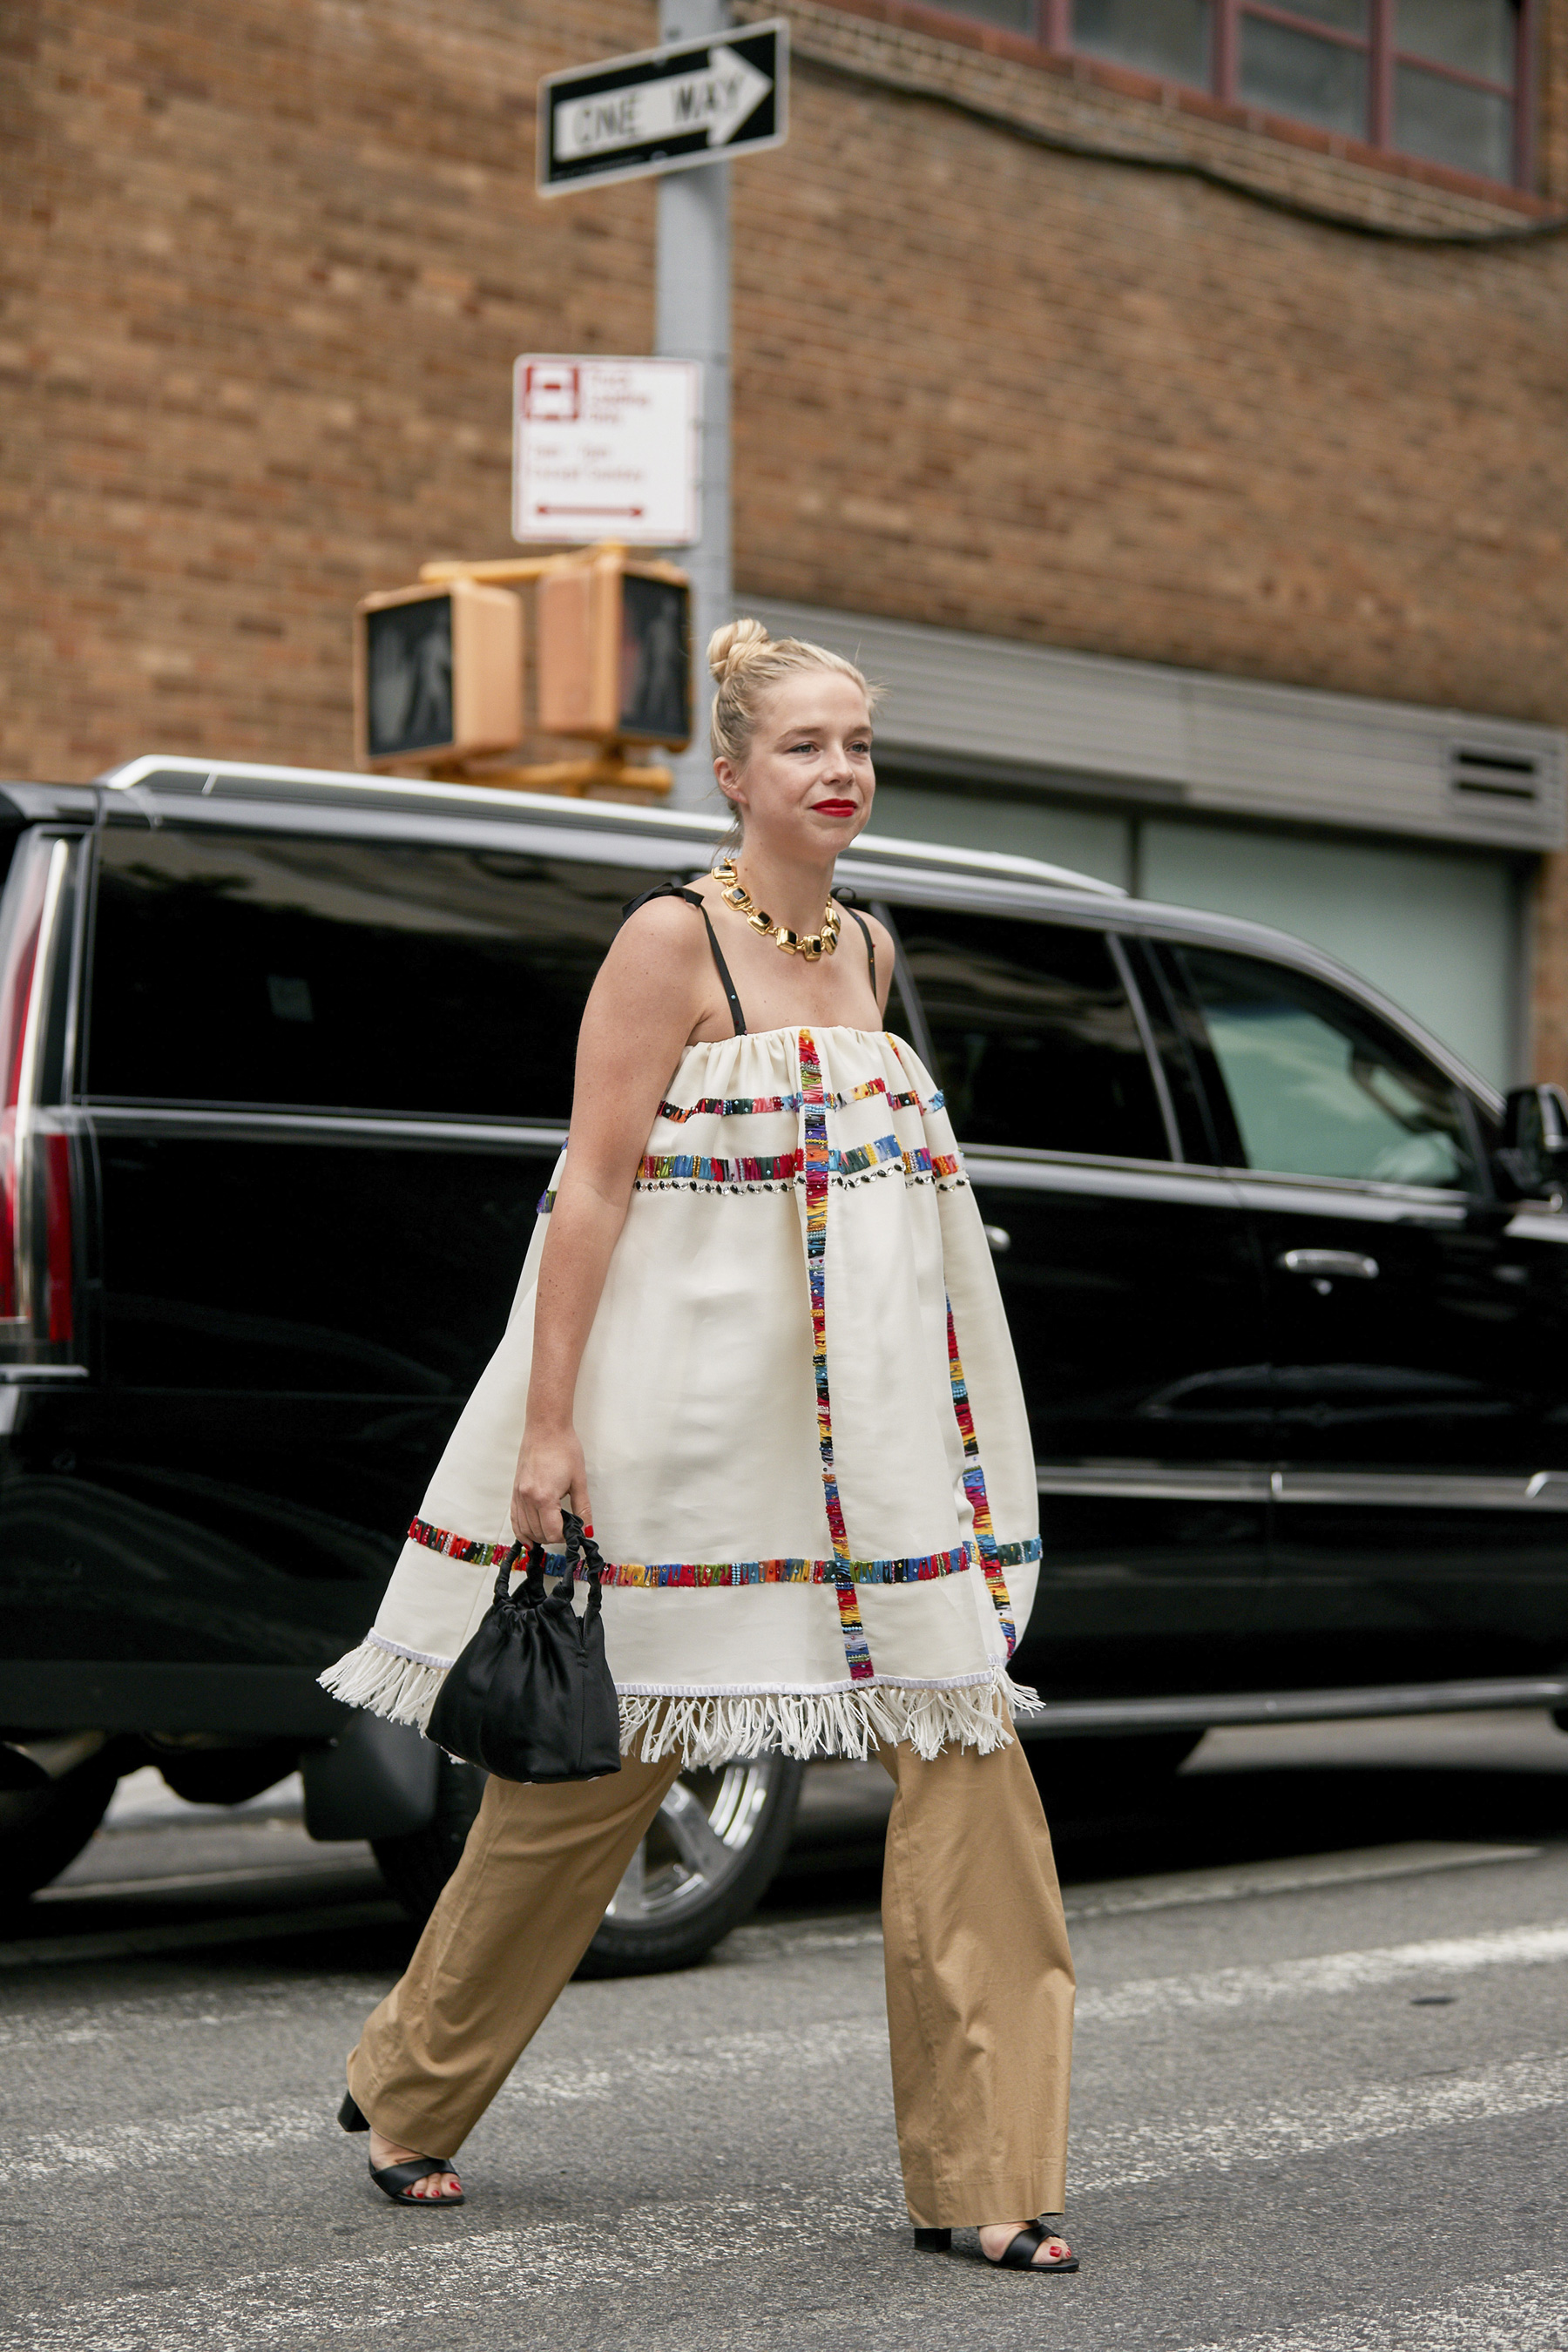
[549, 1471]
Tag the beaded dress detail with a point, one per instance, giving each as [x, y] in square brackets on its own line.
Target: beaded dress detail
[807, 1450]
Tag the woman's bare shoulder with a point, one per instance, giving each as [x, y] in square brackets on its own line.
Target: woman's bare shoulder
[660, 925]
[662, 946]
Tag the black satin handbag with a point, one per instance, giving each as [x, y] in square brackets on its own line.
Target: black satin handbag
[531, 1697]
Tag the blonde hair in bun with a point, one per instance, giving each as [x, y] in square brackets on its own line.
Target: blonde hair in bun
[747, 663]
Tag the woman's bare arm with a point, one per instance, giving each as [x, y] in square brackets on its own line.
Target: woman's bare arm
[651, 993]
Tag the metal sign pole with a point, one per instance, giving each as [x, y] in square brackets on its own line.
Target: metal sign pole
[693, 323]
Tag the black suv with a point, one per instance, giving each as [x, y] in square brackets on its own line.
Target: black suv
[287, 1057]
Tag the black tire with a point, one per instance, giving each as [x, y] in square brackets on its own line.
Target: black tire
[43, 1830]
[702, 1868]
[418, 1866]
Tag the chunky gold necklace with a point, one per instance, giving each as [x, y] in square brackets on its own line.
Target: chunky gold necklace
[734, 893]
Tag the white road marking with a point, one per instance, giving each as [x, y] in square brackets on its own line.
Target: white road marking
[1127, 2155]
[171, 2012]
[718, 2058]
[1527, 2311]
[1194, 2139]
[1331, 1973]
[133, 2147]
[352, 2301]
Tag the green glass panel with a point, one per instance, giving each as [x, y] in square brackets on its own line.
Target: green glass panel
[1296, 74]
[1471, 129]
[1475, 36]
[1169, 37]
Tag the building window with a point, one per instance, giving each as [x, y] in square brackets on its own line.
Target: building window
[1443, 79]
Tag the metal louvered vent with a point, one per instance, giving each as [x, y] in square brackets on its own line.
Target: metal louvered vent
[1479, 773]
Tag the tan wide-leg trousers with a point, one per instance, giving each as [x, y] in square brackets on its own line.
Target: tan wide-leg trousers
[979, 1982]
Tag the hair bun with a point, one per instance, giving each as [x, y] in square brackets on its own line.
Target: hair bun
[730, 647]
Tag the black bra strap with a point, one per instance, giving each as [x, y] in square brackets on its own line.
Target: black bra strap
[871, 949]
[674, 890]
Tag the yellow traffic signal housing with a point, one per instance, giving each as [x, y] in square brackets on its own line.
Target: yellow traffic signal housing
[437, 673]
[614, 644]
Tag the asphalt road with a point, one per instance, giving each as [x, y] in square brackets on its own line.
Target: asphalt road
[1320, 2099]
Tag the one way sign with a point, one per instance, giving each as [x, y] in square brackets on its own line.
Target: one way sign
[665, 110]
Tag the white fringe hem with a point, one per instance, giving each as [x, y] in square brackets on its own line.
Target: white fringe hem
[721, 1726]
[709, 1731]
[388, 1682]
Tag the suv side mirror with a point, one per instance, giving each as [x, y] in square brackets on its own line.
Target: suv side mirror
[1533, 1159]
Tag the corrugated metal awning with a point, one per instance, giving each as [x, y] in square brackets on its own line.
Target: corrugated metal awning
[1039, 719]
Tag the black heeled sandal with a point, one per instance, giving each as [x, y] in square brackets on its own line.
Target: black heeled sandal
[396, 2181]
[1017, 2254]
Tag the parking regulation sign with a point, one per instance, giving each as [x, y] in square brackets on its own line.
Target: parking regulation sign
[606, 448]
[664, 109]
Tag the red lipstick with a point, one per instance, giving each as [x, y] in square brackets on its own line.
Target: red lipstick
[833, 808]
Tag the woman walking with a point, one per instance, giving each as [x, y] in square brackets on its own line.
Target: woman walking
[758, 1340]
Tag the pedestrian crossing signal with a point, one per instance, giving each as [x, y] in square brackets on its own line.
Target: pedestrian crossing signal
[614, 637]
[437, 673]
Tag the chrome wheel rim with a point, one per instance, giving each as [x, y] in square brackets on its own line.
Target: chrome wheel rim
[704, 1831]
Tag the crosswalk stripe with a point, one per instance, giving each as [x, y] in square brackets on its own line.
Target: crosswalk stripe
[1128, 2154]
[1328, 1972]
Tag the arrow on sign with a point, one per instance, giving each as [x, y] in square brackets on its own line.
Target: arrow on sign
[716, 99]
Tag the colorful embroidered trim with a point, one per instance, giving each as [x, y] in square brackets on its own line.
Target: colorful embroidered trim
[975, 1487]
[669, 1574]
[816, 1158]
[761, 1106]
[729, 1106]
[783, 1167]
[483, 1555]
[692, 1168]
[706, 1575]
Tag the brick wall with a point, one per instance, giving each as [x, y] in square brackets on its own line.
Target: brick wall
[265, 269]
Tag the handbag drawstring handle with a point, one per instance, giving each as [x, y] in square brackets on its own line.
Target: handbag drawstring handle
[582, 1552]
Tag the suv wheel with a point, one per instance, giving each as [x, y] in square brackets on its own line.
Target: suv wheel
[705, 1864]
[702, 1868]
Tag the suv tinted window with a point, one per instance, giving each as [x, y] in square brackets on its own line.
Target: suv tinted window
[1036, 1041]
[1320, 1088]
[264, 967]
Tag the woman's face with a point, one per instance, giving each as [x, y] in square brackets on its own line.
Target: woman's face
[807, 785]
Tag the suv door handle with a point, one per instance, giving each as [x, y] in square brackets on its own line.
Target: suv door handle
[1347, 1264]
